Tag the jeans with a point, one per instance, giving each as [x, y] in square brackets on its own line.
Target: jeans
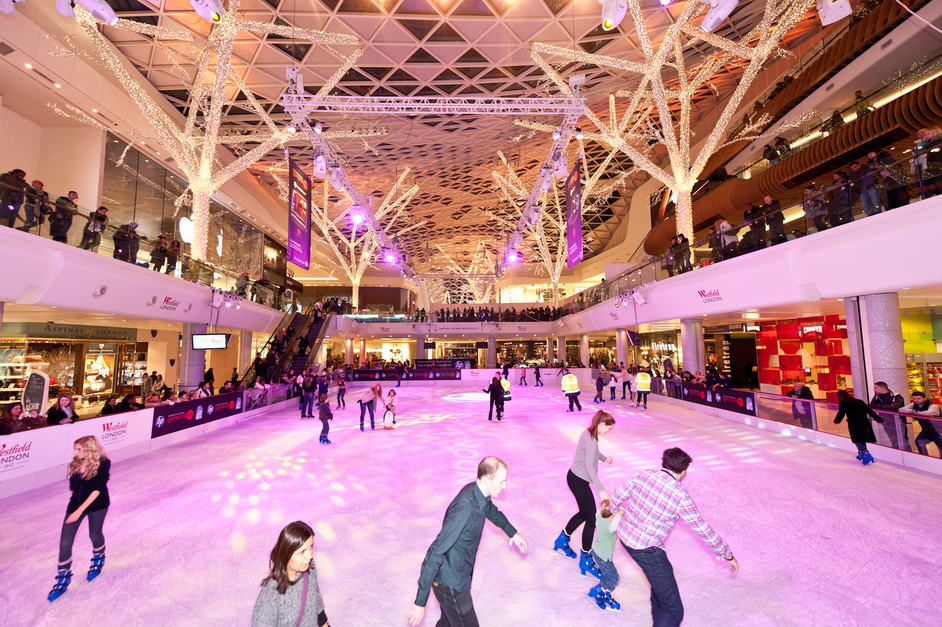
[861, 447]
[895, 428]
[11, 211]
[609, 573]
[96, 522]
[326, 428]
[870, 200]
[90, 240]
[341, 392]
[612, 390]
[363, 408]
[307, 404]
[643, 397]
[626, 387]
[539, 382]
[457, 607]
[523, 380]
[585, 499]
[666, 606]
[923, 438]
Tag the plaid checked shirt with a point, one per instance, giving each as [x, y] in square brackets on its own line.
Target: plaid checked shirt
[653, 502]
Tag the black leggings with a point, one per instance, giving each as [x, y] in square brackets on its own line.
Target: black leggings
[643, 398]
[586, 501]
[96, 521]
[574, 399]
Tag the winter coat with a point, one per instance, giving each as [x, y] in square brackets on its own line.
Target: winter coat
[858, 426]
[61, 220]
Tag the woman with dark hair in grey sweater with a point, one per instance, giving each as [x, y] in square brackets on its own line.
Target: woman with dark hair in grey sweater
[584, 471]
[292, 584]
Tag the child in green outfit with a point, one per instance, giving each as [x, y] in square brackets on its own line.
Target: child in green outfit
[602, 550]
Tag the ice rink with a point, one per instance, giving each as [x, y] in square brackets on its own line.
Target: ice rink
[821, 540]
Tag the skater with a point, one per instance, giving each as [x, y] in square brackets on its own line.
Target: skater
[571, 390]
[584, 471]
[291, 584]
[613, 381]
[505, 385]
[538, 382]
[599, 386]
[653, 501]
[643, 386]
[341, 392]
[523, 375]
[603, 549]
[308, 396]
[324, 413]
[505, 371]
[496, 393]
[367, 401]
[627, 385]
[861, 431]
[389, 418]
[89, 471]
[449, 562]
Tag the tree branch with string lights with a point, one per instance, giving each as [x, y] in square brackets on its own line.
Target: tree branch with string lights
[657, 110]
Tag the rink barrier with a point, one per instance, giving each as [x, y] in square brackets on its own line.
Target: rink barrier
[880, 452]
[39, 457]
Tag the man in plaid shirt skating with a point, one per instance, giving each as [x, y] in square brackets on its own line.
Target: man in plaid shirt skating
[653, 501]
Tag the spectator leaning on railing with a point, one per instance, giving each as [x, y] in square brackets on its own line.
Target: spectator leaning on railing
[12, 195]
[91, 235]
[925, 411]
[61, 219]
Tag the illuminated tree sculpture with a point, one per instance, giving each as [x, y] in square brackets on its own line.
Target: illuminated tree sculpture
[194, 147]
[362, 251]
[479, 275]
[657, 110]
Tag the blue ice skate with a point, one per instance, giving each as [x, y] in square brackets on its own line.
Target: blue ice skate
[98, 561]
[562, 543]
[587, 566]
[63, 579]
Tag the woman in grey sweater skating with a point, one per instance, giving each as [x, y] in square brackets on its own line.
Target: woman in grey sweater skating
[584, 471]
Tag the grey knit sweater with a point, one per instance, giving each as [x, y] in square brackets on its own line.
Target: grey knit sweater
[585, 463]
[282, 610]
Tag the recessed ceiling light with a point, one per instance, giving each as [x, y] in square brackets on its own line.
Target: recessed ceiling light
[29, 67]
[58, 85]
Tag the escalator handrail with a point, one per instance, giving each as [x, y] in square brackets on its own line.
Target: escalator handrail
[315, 348]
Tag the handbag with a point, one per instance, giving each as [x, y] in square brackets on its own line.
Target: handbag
[303, 600]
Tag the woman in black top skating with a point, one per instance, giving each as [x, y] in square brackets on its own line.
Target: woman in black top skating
[88, 481]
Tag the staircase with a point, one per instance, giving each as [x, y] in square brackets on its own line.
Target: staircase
[300, 359]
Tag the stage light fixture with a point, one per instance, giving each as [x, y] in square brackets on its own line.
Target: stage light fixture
[579, 133]
[830, 11]
[209, 10]
[556, 133]
[356, 218]
[320, 167]
[333, 177]
[719, 11]
[513, 256]
[613, 12]
[389, 257]
[561, 167]
[546, 178]
[64, 7]
[318, 128]
[101, 10]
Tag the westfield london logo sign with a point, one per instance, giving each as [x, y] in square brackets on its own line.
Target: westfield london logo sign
[709, 296]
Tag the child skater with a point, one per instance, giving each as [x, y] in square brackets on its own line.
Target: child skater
[523, 375]
[602, 549]
[88, 480]
[324, 413]
[341, 392]
[390, 410]
[599, 386]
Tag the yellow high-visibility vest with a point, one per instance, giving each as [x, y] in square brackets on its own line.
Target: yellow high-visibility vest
[643, 381]
[570, 384]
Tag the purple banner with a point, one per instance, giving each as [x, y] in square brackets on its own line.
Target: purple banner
[299, 216]
[738, 401]
[574, 216]
[172, 418]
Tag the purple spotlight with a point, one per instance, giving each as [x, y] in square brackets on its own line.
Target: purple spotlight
[390, 258]
[513, 256]
[664, 3]
[357, 219]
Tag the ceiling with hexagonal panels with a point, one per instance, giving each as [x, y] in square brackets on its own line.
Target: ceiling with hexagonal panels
[436, 48]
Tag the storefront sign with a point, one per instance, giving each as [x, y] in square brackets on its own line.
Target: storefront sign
[172, 418]
[169, 303]
[46, 331]
[455, 327]
[709, 296]
[731, 400]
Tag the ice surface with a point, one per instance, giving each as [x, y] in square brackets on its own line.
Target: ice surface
[821, 539]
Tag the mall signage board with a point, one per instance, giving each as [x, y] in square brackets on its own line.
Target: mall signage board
[172, 418]
[737, 401]
[456, 327]
[444, 362]
[573, 190]
[47, 331]
[299, 216]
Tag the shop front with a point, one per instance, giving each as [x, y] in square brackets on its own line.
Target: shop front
[661, 348]
[92, 363]
[922, 327]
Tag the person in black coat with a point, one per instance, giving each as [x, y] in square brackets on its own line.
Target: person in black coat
[88, 480]
[496, 393]
[861, 431]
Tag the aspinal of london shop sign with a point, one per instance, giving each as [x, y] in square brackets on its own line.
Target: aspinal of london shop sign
[47, 331]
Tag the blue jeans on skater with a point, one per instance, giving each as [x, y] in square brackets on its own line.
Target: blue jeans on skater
[307, 404]
[457, 607]
[870, 200]
[666, 606]
[341, 392]
[861, 447]
[363, 408]
[610, 577]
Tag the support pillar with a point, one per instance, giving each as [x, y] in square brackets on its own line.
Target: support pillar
[192, 363]
[875, 340]
[561, 349]
[245, 351]
[362, 351]
[691, 343]
[491, 352]
[584, 349]
[621, 347]
[1, 319]
[549, 350]
[348, 351]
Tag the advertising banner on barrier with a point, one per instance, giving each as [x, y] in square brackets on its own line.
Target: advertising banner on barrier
[434, 374]
[737, 401]
[445, 362]
[116, 431]
[574, 216]
[299, 216]
[27, 452]
[173, 418]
